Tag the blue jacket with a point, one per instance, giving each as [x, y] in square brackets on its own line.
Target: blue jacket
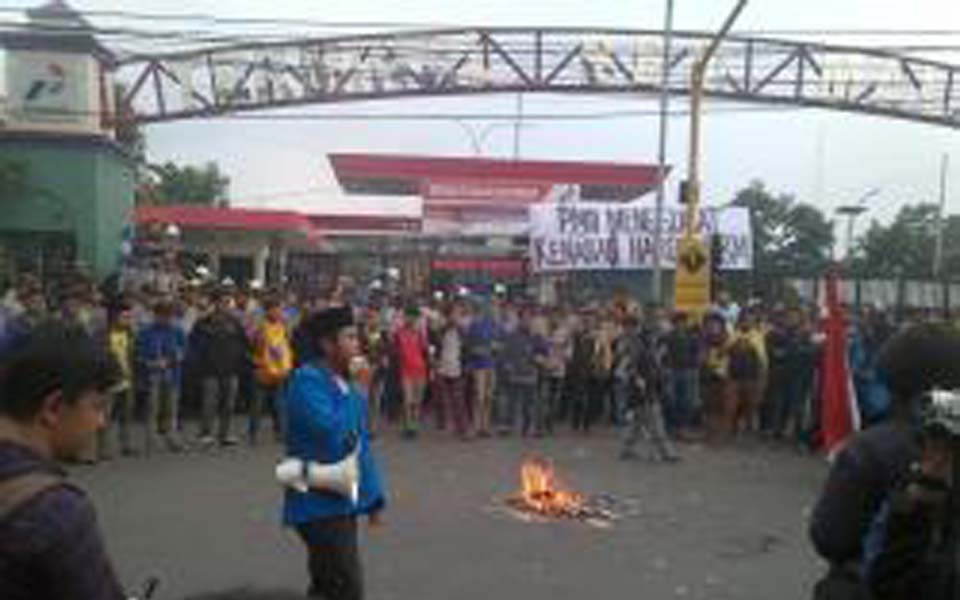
[322, 419]
[162, 341]
[482, 338]
[873, 396]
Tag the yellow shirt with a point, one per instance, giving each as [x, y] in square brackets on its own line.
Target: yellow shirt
[274, 354]
[718, 359]
[121, 345]
[758, 339]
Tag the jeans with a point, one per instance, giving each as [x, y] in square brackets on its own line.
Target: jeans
[645, 420]
[219, 400]
[333, 558]
[484, 382]
[163, 405]
[527, 396]
[510, 402]
[378, 389]
[623, 392]
[790, 405]
[587, 403]
[267, 398]
[550, 392]
[119, 419]
[685, 384]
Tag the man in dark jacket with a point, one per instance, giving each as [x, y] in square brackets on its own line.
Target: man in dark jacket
[642, 413]
[523, 352]
[52, 396]
[792, 354]
[220, 351]
[683, 357]
[884, 479]
[580, 371]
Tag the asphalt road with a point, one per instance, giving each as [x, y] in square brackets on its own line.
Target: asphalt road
[726, 523]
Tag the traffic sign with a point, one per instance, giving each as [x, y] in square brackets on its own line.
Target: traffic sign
[692, 277]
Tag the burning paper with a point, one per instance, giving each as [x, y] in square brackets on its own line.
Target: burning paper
[543, 495]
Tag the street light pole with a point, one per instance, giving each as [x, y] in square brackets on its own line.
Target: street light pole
[938, 248]
[518, 124]
[852, 211]
[657, 283]
[696, 101]
[693, 273]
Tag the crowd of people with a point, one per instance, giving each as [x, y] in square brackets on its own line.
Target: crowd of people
[477, 367]
[194, 361]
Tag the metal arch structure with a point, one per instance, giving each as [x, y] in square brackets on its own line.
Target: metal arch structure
[221, 80]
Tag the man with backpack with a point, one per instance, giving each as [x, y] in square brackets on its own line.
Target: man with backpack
[53, 392]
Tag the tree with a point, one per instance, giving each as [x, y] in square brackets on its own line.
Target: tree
[906, 246]
[174, 184]
[790, 238]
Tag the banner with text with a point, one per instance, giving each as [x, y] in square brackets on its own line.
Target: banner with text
[600, 235]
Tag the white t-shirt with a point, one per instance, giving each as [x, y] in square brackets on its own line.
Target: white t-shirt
[450, 354]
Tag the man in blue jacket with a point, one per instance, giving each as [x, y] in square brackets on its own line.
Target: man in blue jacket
[326, 416]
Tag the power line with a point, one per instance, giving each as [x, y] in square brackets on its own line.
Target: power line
[213, 19]
[221, 20]
[214, 37]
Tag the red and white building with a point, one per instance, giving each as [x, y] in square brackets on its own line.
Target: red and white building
[439, 220]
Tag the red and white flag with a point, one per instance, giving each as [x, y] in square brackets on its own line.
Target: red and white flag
[839, 415]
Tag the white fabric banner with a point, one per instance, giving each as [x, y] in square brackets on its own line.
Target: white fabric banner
[580, 236]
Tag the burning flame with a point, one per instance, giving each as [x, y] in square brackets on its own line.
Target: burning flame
[540, 491]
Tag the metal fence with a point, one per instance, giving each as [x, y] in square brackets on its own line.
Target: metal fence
[887, 293]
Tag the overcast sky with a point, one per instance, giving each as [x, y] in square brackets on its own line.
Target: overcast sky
[822, 157]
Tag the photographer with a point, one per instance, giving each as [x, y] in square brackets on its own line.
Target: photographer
[881, 521]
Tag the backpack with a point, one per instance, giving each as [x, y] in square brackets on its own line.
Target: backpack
[744, 361]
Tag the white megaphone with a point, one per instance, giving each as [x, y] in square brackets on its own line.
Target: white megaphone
[341, 477]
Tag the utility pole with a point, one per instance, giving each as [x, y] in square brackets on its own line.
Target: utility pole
[692, 275]
[516, 128]
[657, 283]
[938, 248]
[851, 212]
[696, 102]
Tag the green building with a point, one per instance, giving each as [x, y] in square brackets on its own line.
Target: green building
[75, 186]
[72, 208]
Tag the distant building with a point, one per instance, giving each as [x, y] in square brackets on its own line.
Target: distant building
[439, 222]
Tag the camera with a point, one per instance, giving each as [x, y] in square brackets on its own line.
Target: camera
[940, 412]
